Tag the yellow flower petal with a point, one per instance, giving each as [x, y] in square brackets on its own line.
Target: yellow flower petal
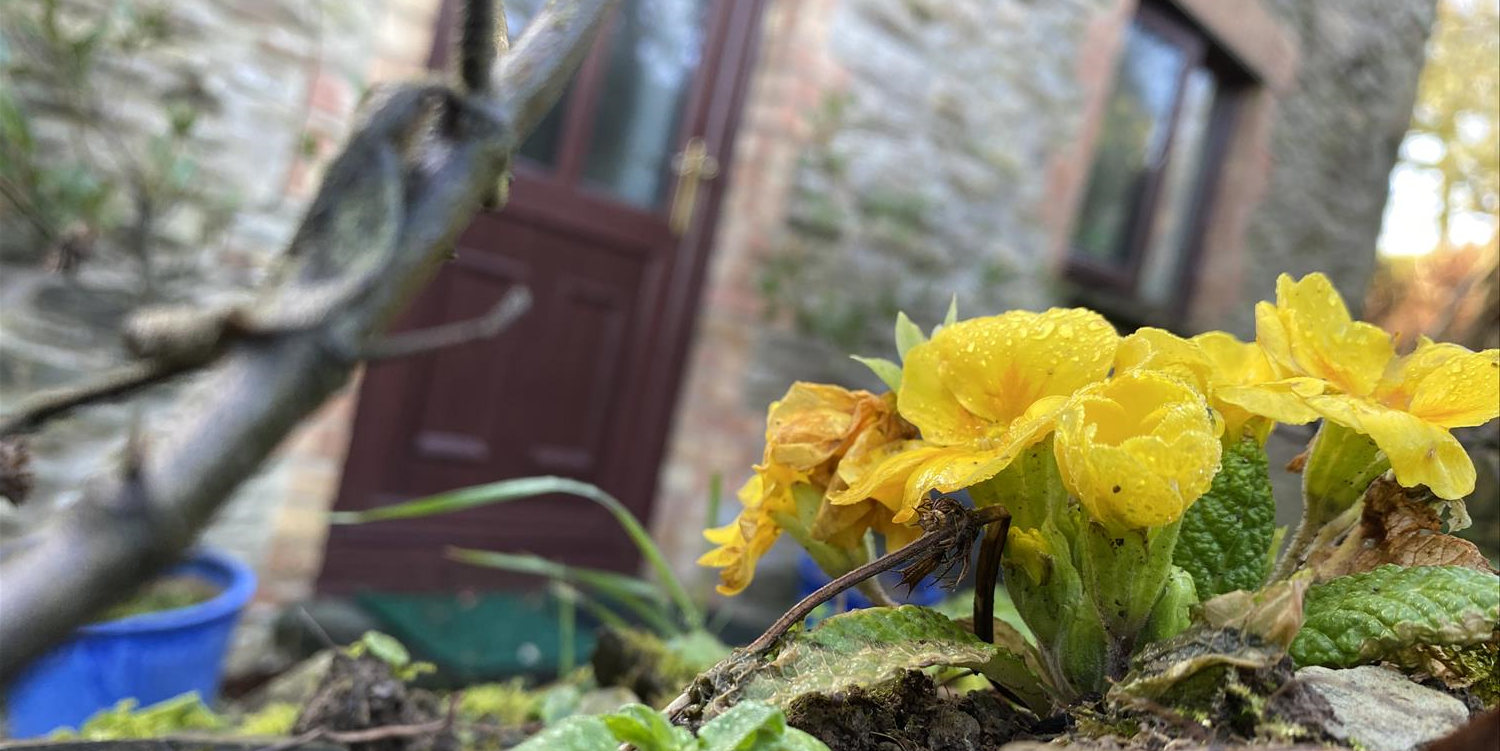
[1137, 450]
[1421, 453]
[1452, 386]
[1157, 349]
[1322, 339]
[815, 421]
[1283, 401]
[1234, 362]
[975, 377]
[889, 473]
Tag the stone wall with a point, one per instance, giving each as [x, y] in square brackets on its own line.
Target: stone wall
[277, 82]
[1332, 145]
[899, 151]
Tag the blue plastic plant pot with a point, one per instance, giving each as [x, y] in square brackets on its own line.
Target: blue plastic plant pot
[150, 657]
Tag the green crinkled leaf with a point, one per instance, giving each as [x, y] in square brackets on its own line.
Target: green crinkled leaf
[863, 647]
[580, 733]
[1226, 533]
[888, 372]
[1367, 616]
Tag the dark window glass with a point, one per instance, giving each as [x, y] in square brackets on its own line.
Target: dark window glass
[1132, 138]
[1166, 251]
[1142, 206]
[654, 55]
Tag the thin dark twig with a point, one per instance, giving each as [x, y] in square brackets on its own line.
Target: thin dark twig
[422, 341]
[950, 531]
[45, 406]
[364, 735]
[986, 576]
[935, 541]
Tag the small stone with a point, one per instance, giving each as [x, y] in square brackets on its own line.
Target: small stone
[1381, 710]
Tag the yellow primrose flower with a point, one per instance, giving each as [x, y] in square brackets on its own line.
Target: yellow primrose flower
[1212, 361]
[1347, 372]
[1137, 450]
[808, 432]
[982, 390]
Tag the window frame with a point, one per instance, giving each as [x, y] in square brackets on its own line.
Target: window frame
[1119, 282]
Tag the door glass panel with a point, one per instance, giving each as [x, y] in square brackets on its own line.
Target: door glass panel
[543, 143]
[1132, 139]
[653, 56]
[1181, 191]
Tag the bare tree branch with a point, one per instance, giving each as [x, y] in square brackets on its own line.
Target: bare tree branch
[422, 341]
[43, 406]
[126, 529]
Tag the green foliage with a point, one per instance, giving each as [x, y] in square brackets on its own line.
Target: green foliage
[754, 726]
[1368, 616]
[888, 372]
[908, 334]
[124, 721]
[1458, 105]
[645, 728]
[276, 718]
[508, 703]
[80, 173]
[1226, 533]
[863, 647]
[387, 649]
[580, 733]
[749, 726]
[1172, 614]
[506, 491]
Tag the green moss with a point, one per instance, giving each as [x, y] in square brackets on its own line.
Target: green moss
[508, 703]
[276, 718]
[167, 593]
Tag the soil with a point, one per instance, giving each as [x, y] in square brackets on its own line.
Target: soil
[166, 593]
[360, 693]
[907, 715]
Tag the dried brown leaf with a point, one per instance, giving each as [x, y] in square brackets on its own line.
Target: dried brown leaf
[1397, 525]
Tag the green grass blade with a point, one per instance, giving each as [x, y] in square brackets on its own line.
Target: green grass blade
[526, 487]
[530, 563]
[640, 597]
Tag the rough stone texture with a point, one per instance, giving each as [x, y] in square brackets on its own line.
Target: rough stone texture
[1380, 710]
[273, 74]
[1333, 144]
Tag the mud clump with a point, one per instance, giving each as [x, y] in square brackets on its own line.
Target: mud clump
[905, 715]
[362, 693]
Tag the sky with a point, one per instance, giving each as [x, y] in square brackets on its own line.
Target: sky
[1410, 226]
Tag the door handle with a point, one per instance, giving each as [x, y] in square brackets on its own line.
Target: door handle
[692, 165]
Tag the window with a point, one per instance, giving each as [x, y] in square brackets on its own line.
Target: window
[1162, 133]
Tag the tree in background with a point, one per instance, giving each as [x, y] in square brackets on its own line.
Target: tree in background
[1448, 291]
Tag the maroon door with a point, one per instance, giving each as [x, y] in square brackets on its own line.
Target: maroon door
[609, 224]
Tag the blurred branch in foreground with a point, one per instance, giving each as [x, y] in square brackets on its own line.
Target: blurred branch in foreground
[410, 178]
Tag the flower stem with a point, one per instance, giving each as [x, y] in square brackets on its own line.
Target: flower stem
[1341, 464]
